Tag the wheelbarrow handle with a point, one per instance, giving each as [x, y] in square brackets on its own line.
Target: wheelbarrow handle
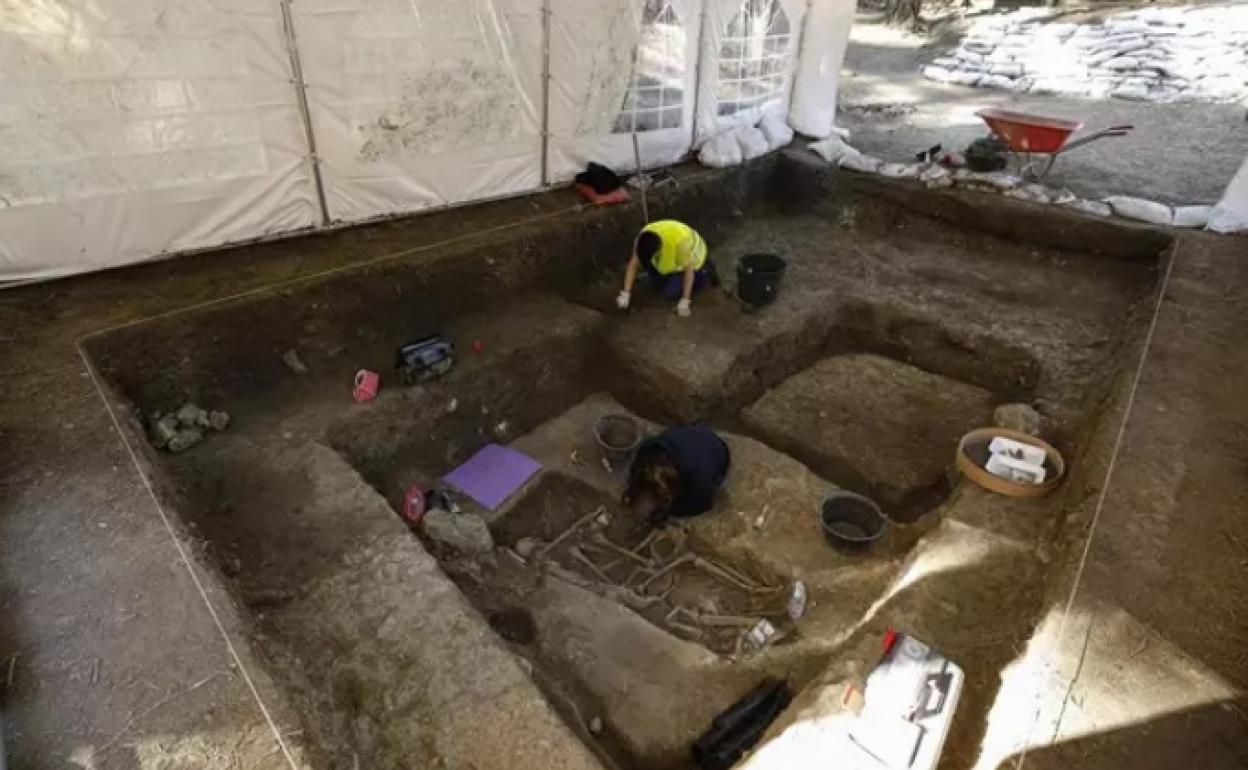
[1121, 128]
[1081, 141]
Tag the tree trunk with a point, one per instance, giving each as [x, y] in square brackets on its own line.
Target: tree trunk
[902, 12]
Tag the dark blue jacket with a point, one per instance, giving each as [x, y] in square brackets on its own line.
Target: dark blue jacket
[701, 457]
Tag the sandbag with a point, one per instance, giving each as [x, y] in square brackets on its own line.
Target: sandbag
[752, 141]
[901, 170]
[721, 151]
[1191, 216]
[1231, 213]
[859, 162]
[776, 130]
[832, 149]
[1140, 209]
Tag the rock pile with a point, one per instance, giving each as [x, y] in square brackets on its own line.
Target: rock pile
[933, 176]
[1158, 54]
[183, 428]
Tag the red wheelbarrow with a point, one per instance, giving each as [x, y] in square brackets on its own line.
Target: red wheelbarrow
[1029, 136]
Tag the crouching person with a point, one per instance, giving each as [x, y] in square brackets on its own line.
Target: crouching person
[674, 256]
[676, 473]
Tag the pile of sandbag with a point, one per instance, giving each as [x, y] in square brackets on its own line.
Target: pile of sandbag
[1158, 54]
[746, 142]
[932, 175]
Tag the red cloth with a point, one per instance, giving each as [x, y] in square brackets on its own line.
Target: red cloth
[618, 195]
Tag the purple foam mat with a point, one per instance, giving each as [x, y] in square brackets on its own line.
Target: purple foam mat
[493, 474]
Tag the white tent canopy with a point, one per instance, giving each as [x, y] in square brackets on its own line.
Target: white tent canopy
[138, 128]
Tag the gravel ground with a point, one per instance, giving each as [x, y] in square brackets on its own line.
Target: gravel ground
[1178, 153]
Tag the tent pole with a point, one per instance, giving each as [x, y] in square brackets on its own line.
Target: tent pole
[697, 72]
[546, 14]
[641, 179]
[796, 61]
[301, 92]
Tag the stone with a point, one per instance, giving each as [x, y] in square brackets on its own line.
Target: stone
[163, 429]
[1122, 63]
[184, 439]
[464, 533]
[1132, 92]
[527, 546]
[218, 420]
[1001, 180]
[1095, 208]
[294, 362]
[900, 170]
[190, 415]
[934, 173]
[1035, 193]
[1063, 197]
[996, 81]
[1019, 417]
[863, 163]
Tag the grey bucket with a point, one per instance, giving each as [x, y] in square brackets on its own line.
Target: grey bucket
[618, 436]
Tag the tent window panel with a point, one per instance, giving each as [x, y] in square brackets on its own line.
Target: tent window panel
[656, 93]
[754, 57]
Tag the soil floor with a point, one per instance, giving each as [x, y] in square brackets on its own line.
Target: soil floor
[1178, 153]
[136, 635]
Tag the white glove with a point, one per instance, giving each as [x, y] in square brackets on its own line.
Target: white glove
[622, 301]
[683, 308]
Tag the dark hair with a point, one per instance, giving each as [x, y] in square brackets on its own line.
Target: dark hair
[648, 244]
[653, 485]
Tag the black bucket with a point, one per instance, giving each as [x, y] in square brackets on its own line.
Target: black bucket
[758, 278]
[851, 522]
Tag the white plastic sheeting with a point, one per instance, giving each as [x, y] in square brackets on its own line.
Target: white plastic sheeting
[747, 60]
[419, 103]
[619, 67]
[1231, 213]
[133, 128]
[813, 109]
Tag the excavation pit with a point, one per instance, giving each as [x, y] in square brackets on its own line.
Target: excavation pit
[910, 312]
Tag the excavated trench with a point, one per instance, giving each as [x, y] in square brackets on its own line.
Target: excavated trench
[584, 638]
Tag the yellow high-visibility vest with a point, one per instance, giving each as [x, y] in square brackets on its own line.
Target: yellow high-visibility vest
[682, 247]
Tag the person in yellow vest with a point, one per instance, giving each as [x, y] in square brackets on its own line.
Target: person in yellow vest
[674, 256]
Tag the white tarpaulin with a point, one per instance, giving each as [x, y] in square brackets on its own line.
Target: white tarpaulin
[135, 128]
[132, 128]
[419, 103]
[748, 54]
[1231, 213]
[618, 68]
[813, 111]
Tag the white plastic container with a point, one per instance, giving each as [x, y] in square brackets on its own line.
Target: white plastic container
[1020, 471]
[1017, 450]
[909, 703]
